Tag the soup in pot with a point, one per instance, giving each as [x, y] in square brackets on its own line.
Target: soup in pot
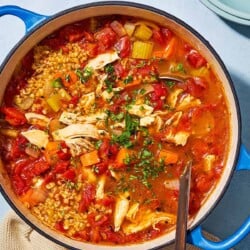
[94, 141]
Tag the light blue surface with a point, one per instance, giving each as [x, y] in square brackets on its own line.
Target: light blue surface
[229, 12]
[232, 43]
[242, 6]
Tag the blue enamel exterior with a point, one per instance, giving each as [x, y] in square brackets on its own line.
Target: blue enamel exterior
[195, 237]
[30, 18]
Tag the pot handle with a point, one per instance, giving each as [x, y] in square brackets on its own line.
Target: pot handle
[29, 18]
[196, 238]
[244, 159]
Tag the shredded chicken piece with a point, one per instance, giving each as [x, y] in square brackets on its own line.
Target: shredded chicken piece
[100, 188]
[36, 137]
[147, 121]
[146, 219]
[173, 184]
[103, 59]
[88, 175]
[188, 101]
[208, 162]
[107, 95]
[141, 110]
[174, 119]
[87, 101]
[133, 209]
[118, 125]
[173, 97]
[79, 146]
[71, 118]
[76, 130]
[179, 138]
[101, 84]
[121, 209]
[34, 118]
[158, 123]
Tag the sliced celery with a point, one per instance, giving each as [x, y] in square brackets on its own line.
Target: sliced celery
[54, 101]
[143, 32]
[64, 95]
[142, 50]
[130, 28]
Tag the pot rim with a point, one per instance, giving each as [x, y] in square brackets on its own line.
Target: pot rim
[179, 22]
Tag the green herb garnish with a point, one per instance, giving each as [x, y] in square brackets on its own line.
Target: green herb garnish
[84, 75]
[170, 84]
[128, 79]
[57, 83]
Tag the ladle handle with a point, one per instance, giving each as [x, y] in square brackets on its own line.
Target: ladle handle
[30, 19]
[196, 238]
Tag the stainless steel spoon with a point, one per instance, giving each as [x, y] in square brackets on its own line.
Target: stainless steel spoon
[183, 202]
[172, 77]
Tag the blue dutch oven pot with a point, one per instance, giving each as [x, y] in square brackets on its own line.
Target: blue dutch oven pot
[39, 26]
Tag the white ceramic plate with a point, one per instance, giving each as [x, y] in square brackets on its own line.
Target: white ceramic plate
[234, 10]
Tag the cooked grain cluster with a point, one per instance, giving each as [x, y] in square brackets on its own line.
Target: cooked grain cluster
[47, 64]
[62, 204]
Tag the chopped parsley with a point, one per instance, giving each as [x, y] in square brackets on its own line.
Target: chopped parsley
[117, 117]
[178, 68]
[170, 84]
[67, 78]
[147, 168]
[141, 91]
[131, 123]
[84, 75]
[57, 83]
[109, 69]
[98, 144]
[123, 139]
[128, 79]
[111, 77]
[131, 126]
[147, 141]
[109, 85]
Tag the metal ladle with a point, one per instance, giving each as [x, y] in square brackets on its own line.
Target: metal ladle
[183, 205]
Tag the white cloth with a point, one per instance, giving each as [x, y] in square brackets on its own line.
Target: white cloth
[15, 234]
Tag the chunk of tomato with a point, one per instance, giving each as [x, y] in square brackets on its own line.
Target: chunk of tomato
[17, 147]
[162, 36]
[14, 116]
[123, 46]
[88, 196]
[106, 37]
[203, 183]
[196, 87]
[195, 59]
[120, 71]
[59, 225]
[70, 175]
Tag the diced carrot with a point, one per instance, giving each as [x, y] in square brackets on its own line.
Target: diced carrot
[69, 79]
[90, 158]
[131, 84]
[169, 157]
[34, 196]
[169, 50]
[53, 146]
[51, 149]
[54, 125]
[121, 156]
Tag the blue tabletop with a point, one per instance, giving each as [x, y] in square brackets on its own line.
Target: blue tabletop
[232, 43]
